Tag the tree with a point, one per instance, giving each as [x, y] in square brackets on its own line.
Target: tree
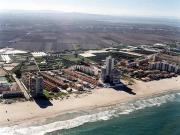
[76, 48]
[18, 73]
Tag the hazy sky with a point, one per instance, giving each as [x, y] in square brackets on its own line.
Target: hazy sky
[112, 7]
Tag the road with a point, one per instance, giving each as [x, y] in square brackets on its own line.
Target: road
[36, 64]
[22, 87]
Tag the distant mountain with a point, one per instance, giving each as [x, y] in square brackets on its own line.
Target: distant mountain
[96, 17]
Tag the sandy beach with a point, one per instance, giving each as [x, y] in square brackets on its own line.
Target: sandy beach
[30, 111]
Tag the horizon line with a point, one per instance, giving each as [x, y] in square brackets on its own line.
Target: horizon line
[110, 15]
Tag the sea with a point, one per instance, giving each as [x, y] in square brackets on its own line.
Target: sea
[155, 115]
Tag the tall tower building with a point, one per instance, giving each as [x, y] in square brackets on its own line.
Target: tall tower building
[154, 57]
[108, 73]
[109, 65]
[36, 86]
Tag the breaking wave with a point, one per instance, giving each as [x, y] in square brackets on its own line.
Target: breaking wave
[104, 113]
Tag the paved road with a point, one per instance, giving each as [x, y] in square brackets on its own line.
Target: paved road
[22, 87]
[36, 64]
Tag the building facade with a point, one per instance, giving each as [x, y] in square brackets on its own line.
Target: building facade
[165, 66]
[109, 74]
[34, 83]
[36, 86]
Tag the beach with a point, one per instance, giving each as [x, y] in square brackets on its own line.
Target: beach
[24, 112]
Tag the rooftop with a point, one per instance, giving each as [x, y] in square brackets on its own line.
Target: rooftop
[11, 51]
[38, 54]
[92, 53]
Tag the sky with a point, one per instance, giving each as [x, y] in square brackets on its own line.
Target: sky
[152, 8]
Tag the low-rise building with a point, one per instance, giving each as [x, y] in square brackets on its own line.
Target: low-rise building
[165, 66]
[4, 87]
[85, 69]
[12, 94]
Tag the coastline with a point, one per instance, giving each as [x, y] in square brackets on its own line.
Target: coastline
[28, 112]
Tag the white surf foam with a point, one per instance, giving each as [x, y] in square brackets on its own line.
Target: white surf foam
[106, 114]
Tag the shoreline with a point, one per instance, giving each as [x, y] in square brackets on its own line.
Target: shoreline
[30, 112]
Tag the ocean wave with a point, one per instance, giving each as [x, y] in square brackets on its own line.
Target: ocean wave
[106, 113]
